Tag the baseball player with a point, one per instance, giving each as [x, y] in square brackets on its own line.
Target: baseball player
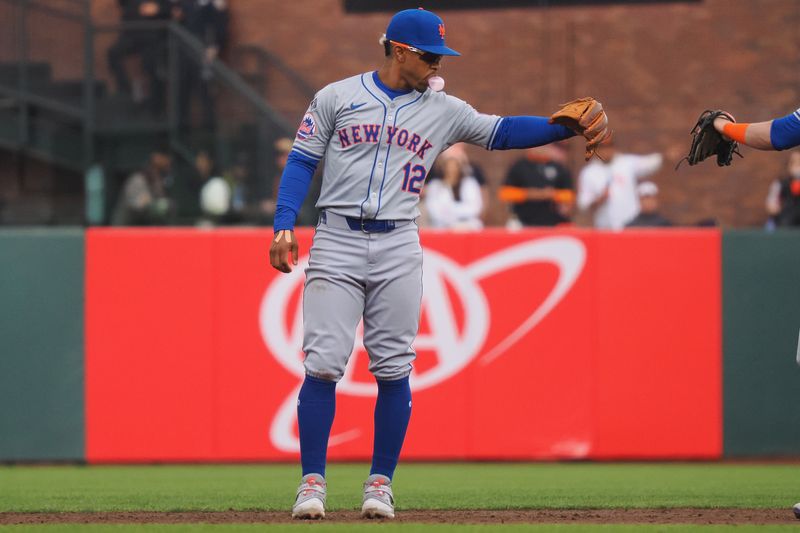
[379, 133]
[777, 134]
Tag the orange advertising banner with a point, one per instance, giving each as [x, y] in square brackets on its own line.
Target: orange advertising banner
[566, 344]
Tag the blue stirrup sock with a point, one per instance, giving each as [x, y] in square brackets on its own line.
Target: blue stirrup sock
[392, 412]
[316, 406]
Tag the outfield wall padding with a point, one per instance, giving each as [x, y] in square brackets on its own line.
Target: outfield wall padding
[564, 344]
[761, 317]
[184, 348]
[41, 327]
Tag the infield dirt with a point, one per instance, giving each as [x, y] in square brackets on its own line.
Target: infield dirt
[539, 516]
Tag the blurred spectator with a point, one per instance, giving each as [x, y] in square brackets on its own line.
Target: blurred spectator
[208, 21]
[144, 200]
[783, 199]
[227, 199]
[607, 189]
[648, 203]
[539, 187]
[190, 177]
[148, 44]
[215, 201]
[200, 173]
[238, 178]
[455, 200]
[243, 205]
[204, 166]
[459, 152]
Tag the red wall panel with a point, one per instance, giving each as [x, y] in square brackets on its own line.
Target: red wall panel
[534, 344]
[659, 344]
[150, 335]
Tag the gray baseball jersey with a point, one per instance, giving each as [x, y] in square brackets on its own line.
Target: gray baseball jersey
[377, 153]
[378, 150]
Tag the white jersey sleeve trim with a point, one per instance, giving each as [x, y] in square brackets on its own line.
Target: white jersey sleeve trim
[494, 132]
[307, 153]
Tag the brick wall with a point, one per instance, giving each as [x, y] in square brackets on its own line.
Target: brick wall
[655, 67]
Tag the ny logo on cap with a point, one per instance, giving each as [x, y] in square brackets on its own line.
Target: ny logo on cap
[441, 30]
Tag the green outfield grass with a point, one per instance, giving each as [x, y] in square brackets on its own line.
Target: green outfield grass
[417, 486]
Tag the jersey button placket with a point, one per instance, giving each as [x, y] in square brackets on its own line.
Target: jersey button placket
[381, 154]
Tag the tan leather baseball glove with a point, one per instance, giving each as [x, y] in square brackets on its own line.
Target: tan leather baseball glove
[585, 116]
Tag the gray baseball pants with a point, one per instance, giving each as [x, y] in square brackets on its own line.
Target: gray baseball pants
[350, 275]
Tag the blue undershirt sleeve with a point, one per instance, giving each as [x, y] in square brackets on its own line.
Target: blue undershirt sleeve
[295, 181]
[785, 132]
[526, 132]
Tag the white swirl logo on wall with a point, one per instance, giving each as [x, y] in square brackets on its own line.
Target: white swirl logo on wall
[455, 347]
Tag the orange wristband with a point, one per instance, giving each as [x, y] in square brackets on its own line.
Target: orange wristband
[735, 131]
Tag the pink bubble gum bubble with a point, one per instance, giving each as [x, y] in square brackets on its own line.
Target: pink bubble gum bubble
[436, 83]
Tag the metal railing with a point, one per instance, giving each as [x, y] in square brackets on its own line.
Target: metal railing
[16, 86]
[64, 111]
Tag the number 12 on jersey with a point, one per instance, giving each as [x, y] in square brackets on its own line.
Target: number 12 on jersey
[413, 178]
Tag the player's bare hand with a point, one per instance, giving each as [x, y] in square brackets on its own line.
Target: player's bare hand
[720, 121]
[283, 250]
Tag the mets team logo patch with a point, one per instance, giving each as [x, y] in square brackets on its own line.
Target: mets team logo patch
[308, 127]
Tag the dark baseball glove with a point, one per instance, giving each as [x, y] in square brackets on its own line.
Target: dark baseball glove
[707, 141]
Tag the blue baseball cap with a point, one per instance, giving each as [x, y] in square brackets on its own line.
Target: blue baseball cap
[420, 29]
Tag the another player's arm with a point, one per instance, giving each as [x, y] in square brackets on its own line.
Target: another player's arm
[777, 134]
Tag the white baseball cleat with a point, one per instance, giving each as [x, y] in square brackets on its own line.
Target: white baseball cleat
[310, 501]
[378, 498]
[796, 510]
